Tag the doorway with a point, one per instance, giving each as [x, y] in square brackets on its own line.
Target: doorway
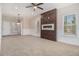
[10, 26]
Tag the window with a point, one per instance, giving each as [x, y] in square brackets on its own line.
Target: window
[70, 25]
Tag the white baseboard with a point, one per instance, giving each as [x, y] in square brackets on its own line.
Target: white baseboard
[30, 32]
[69, 41]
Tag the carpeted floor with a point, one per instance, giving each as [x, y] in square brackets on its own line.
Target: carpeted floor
[34, 46]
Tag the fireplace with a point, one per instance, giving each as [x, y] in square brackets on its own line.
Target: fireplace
[48, 27]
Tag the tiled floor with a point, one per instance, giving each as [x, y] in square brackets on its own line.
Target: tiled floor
[30, 46]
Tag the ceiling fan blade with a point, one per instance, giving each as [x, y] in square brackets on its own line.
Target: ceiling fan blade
[40, 8]
[33, 4]
[28, 6]
[39, 4]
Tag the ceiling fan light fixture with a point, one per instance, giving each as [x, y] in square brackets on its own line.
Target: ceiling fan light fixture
[35, 7]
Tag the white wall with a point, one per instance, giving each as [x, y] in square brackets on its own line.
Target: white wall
[6, 28]
[69, 10]
[30, 26]
[9, 26]
[35, 26]
[26, 26]
[0, 22]
[0, 27]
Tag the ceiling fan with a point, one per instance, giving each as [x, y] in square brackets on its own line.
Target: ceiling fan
[35, 6]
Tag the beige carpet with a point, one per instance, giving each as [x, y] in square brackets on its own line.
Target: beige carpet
[34, 46]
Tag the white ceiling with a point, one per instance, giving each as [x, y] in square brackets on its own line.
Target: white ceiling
[15, 8]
